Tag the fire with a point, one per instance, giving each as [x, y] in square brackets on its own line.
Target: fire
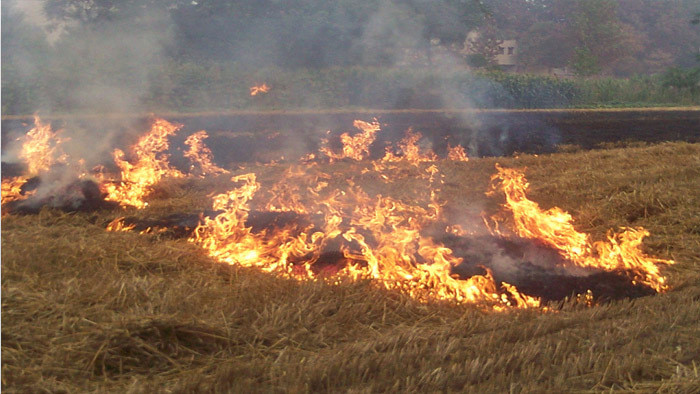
[227, 238]
[409, 150]
[149, 166]
[553, 227]
[40, 148]
[456, 153]
[380, 239]
[254, 90]
[117, 225]
[12, 189]
[361, 236]
[200, 155]
[355, 147]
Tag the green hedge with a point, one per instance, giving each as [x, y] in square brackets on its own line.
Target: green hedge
[195, 87]
[187, 87]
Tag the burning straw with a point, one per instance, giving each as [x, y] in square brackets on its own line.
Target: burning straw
[308, 230]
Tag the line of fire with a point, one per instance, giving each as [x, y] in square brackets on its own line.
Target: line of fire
[308, 226]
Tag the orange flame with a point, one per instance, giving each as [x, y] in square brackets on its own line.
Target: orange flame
[553, 227]
[254, 90]
[117, 225]
[200, 155]
[150, 166]
[40, 147]
[12, 189]
[40, 150]
[456, 153]
[410, 151]
[382, 232]
[355, 147]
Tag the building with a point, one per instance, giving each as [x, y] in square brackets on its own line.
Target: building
[506, 57]
[502, 52]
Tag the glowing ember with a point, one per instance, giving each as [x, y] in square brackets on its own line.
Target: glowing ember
[200, 155]
[553, 227]
[149, 167]
[254, 90]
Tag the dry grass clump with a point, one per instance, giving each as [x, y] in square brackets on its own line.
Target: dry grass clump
[88, 310]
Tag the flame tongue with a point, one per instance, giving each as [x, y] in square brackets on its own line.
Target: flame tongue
[40, 148]
[12, 189]
[355, 147]
[149, 167]
[200, 155]
[456, 153]
[255, 90]
[554, 228]
[410, 151]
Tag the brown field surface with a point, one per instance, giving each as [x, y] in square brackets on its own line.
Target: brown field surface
[84, 309]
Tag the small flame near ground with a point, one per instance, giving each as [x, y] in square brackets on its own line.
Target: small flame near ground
[12, 189]
[200, 156]
[39, 151]
[258, 89]
[40, 148]
[355, 147]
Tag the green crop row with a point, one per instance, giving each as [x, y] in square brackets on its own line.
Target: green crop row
[193, 87]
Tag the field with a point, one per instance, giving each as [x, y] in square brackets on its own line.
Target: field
[246, 136]
[89, 310]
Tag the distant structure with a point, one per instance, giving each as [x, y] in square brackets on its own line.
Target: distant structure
[506, 57]
[504, 53]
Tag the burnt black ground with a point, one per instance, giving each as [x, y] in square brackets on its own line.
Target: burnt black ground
[535, 269]
[242, 137]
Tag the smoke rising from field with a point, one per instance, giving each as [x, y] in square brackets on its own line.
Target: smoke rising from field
[101, 69]
[123, 65]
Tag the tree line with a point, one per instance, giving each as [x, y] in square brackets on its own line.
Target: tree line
[619, 37]
[117, 53]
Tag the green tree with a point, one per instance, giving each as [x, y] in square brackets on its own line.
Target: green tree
[597, 34]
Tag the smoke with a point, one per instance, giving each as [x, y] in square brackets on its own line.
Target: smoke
[33, 11]
[121, 64]
[103, 68]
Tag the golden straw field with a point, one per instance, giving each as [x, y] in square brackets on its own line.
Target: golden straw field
[84, 309]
